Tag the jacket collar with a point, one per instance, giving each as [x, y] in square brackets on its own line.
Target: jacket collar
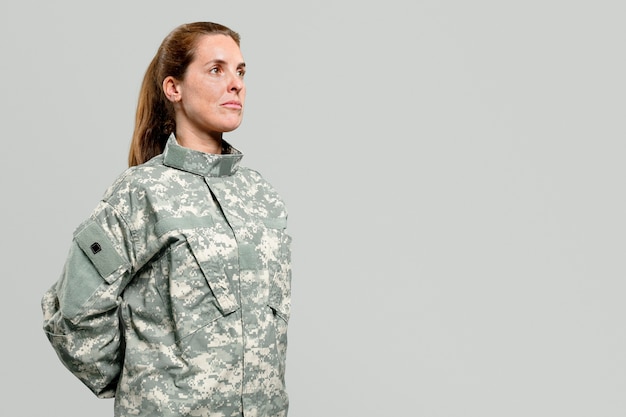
[201, 163]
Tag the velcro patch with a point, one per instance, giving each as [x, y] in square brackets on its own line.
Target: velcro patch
[99, 249]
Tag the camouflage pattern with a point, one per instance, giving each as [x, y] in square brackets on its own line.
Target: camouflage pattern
[175, 296]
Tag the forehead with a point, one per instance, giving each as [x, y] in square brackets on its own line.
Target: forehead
[217, 47]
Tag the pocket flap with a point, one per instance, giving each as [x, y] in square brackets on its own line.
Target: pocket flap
[276, 222]
[98, 248]
[214, 274]
[280, 295]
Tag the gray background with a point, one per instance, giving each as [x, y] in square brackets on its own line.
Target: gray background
[454, 172]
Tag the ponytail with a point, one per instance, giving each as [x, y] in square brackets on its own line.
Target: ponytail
[154, 120]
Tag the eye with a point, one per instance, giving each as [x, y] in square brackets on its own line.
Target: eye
[241, 72]
[214, 70]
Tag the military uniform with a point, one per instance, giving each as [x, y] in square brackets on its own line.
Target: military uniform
[175, 296]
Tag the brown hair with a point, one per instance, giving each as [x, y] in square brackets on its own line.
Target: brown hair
[154, 120]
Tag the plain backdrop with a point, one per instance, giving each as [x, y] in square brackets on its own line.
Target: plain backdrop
[454, 172]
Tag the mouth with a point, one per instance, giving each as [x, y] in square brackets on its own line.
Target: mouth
[235, 105]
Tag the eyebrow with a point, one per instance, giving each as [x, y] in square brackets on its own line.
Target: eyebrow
[222, 62]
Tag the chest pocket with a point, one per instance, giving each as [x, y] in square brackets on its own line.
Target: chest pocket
[200, 291]
[280, 270]
[204, 251]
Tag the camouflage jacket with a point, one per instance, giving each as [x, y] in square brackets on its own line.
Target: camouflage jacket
[175, 295]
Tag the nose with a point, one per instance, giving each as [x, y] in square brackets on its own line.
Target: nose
[236, 83]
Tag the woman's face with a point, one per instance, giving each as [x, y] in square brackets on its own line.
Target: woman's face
[211, 96]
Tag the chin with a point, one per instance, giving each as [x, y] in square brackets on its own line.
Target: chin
[230, 127]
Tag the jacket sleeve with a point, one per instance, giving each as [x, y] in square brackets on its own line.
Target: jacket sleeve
[80, 310]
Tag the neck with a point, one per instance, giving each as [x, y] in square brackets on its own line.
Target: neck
[207, 143]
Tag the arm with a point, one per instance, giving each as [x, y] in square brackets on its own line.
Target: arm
[81, 310]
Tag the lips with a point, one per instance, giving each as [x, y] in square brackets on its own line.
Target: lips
[232, 105]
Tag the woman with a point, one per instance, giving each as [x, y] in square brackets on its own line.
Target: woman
[175, 295]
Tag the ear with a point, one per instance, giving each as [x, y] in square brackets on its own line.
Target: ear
[171, 88]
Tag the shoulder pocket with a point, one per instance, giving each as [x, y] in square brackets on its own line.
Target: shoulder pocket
[89, 269]
[99, 249]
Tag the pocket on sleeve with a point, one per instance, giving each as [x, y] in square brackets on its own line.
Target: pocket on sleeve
[91, 263]
[99, 249]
